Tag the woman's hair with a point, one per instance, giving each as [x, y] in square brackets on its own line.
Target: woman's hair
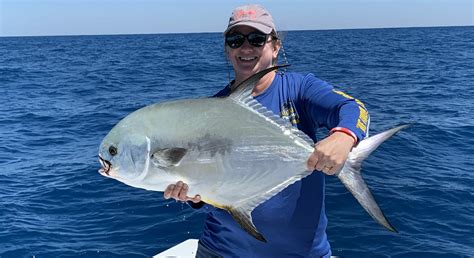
[275, 40]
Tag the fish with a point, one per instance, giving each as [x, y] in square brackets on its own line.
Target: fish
[232, 151]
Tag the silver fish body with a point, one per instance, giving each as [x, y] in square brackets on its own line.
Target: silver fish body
[232, 151]
[228, 148]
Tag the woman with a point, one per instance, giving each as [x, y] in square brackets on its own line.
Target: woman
[293, 221]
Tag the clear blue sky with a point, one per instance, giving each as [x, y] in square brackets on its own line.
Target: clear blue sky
[87, 17]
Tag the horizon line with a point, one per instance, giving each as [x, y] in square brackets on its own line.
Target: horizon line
[171, 33]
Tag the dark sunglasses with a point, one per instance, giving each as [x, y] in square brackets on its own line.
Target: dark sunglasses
[236, 40]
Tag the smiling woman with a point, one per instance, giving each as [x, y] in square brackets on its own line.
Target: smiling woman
[252, 46]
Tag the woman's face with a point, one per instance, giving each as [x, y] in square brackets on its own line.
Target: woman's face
[247, 59]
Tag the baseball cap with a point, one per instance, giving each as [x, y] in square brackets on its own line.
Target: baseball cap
[252, 15]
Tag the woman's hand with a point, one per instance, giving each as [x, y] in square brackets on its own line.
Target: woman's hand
[179, 192]
[330, 154]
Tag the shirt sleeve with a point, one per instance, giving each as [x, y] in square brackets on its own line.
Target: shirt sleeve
[331, 108]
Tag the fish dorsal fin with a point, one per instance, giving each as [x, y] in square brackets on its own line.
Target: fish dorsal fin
[168, 157]
[244, 219]
[242, 95]
[245, 88]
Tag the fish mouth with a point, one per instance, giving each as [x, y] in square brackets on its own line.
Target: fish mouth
[106, 166]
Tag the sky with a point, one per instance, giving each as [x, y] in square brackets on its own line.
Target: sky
[98, 17]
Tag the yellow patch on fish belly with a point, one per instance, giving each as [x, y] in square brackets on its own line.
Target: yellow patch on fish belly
[211, 202]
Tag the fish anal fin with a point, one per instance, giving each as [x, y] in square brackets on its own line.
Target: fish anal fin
[244, 219]
[168, 157]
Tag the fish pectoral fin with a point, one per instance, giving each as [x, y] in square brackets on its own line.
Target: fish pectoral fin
[168, 157]
[243, 217]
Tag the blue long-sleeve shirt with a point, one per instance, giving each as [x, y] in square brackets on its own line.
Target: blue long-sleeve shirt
[294, 220]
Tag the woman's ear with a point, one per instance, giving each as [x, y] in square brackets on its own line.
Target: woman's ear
[276, 48]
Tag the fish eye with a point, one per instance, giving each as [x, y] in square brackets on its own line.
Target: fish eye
[113, 150]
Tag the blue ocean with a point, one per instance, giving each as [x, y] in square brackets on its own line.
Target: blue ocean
[59, 96]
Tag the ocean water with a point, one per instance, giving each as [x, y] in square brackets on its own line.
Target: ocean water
[59, 96]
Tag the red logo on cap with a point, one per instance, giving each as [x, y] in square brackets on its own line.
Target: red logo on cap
[242, 13]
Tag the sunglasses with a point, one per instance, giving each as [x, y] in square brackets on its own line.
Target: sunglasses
[236, 40]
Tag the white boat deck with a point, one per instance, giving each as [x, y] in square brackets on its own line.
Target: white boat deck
[185, 249]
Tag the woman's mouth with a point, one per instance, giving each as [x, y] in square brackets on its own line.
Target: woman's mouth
[247, 59]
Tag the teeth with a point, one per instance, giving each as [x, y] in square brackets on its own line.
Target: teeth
[247, 58]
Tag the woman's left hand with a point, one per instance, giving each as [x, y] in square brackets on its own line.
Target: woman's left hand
[330, 154]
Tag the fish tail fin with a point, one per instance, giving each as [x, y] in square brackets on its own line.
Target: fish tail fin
[351, 177]
[243, 217]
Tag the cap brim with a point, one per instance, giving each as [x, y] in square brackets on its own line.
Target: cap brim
[261, 27]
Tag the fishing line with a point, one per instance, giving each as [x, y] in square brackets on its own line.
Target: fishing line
[281, 36]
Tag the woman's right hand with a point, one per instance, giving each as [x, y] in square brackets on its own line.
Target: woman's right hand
[179, 192]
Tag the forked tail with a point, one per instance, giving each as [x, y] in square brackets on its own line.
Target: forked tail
[350, 175]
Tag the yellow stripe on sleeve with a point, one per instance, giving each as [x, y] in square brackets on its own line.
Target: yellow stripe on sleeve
[363, 113]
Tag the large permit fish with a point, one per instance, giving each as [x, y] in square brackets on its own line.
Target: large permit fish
[232, 151]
